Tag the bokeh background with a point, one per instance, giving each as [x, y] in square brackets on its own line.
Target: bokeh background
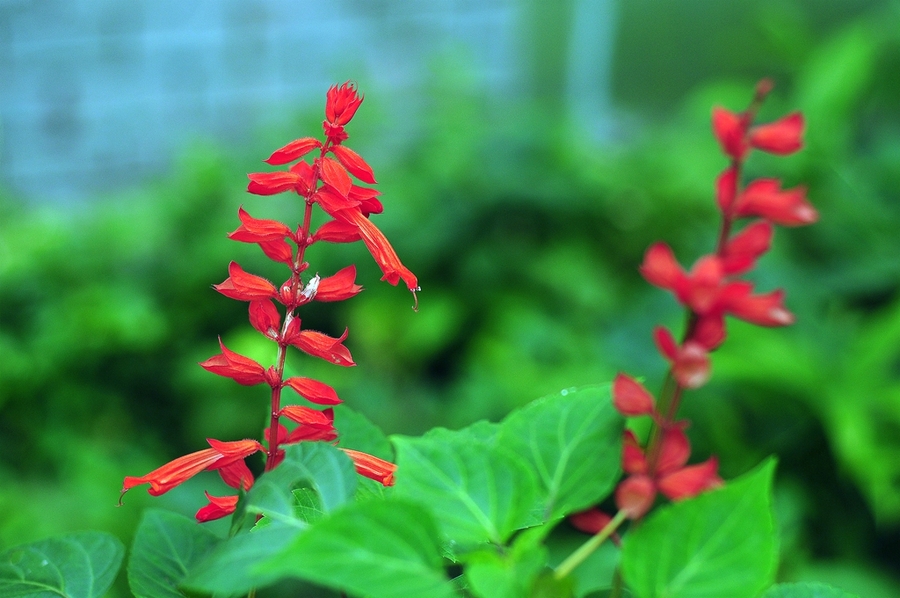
[528, 153]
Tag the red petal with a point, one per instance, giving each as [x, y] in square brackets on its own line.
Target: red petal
[635, 496]
[660, 268]
[674, 450]
[229, 364]
[763, 310]
[787, 208]
[709, 331]
[254, 230]
[354, 163]
[324, 346]
[666, 343]
[726, 189]
[692, 480]
[633, 459]
[701, 289]
[782, 137]
[264, 317]
[237, 475]
[294, 150]
[372, 467]
[743, 249]
[333, 203]
[341, 103]
[234, 449]
[217, 508]
[382, 252]
[270, 183]
[337, 231]
[245, 287]
[174, 472]
[630, 397]
[339, 286]
[590, 521]
[730, 130]
[333, 174]
[313, 390]
[278, 251]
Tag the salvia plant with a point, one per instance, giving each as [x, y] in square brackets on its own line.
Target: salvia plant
[339, 507]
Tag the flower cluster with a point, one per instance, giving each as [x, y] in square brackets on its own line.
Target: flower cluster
[709, 291]
[326, 181]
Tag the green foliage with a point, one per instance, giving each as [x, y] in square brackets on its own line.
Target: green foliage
[78, 565]
[721, 543]
[806, 590]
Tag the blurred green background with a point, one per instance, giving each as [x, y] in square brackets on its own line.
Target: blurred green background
[524, 216]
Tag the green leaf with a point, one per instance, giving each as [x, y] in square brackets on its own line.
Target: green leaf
[806, 590]
[77, 565]
[481, 492]
[165, 547]
[325, 469]
[721, 543]
[510, 574]
[572, 440]
[379, 549]
[231, 568]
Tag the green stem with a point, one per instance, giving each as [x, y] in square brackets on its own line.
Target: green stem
[587, 549]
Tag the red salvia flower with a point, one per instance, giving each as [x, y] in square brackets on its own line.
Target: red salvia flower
[313, 390]
[341, 103]
[339, 286]
[243, 286]
[218, 507]
[242, 370]
[293, 151]
[321, 345]
[630, 397]
[372, 467]
[782, 137]
[764, 198]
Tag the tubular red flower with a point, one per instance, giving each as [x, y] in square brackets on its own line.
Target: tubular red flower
[229, 364]
[243, 286]
[381, 250]
[743, 249]
[264, 317]
[730, 130]
[660, 268]
[313, 390]
[341, 103]
[294, 150]
[372, 467]
[324, 346]
[630, 397]
[763, 198]
[257, 230]
[354, 163]
[635, 495]
[782, 137]
[337, 231]
[272, 183]
[691, 481]
[763, 310]
[339, 286]
[218, 507]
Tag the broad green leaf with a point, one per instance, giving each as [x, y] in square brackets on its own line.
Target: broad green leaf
[231, 568]
[308, 507]
[806, 590]
[358, 433]
[377, 549]
[77, 565]
[572, 440]
[165, 547]
[325, 469]
[480, 492]
[721, 543]
[511, 573]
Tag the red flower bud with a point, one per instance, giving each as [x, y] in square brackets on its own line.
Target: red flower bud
[245, 287]
[339, 286]
[730, 130]
[763, 198]
[229, 364]
[354, 163]
[372, 467]
[630, 397]
[324, 346]
[782, 137]
[294, 150]
[635, 495]
[691, 481]
[313, 391]
[341, 103]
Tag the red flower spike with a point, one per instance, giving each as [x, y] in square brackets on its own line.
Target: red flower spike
[341, 103]
[372, 467]
[691, 368]
[691, 481]
[313, 391]
[782, 137]
[666, 343]
[271, 183]
[730, 130]
[354, 163]
[339, 286]
[236, 475]
[256, 230]
[674, 450]
[337, 231]
[333, 174]
[633, 459]
[218, 507]
[264, 317]
[743, 249]
[763, 198]
[243, 286]
[590, 521]
[726, 189]
[324, 346]
[635, 495]
[763, 310]
[229, 364]
[630, 397]
[660, 268]
[294, 150]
